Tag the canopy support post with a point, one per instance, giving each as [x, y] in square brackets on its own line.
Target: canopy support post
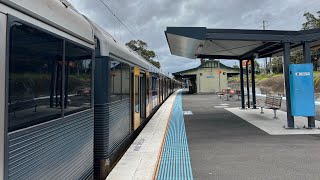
[287, 62]
[307, 59]
[253, 86]
[242, 86]
[248, 88]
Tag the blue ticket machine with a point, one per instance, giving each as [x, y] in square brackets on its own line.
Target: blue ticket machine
[302, 90]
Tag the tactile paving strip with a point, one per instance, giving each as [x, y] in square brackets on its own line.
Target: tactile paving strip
[175, 160]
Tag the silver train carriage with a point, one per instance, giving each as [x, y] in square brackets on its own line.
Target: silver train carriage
[72, 98]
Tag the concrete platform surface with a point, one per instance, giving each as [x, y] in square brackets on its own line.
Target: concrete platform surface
[224, 146]
[141, 159]
[272, 126]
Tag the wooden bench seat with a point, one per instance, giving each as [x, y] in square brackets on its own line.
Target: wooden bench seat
[272, 102]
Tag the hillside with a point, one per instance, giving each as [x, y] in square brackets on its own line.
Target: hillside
[274, 83]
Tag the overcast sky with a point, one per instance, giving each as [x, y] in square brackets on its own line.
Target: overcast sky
[148, 19]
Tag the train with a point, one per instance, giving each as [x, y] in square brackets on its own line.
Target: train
[72, 98]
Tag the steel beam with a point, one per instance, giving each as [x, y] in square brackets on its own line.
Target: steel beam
[253, 85]
[246, 37]
[257, 50]
[287, 62]
[307, 59]
[242, 86]
[238, 36]
[248, 88]
[200, 56]
[277, 50]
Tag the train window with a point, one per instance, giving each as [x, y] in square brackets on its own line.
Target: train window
[115, 87]
[77, 78]
[136, 94]
[119, 81]
[125, 81]
[35, 77]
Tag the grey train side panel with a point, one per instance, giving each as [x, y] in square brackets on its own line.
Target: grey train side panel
[59, 149]
[101, 125]
[115, 117]
[119, 123]
[3, 65]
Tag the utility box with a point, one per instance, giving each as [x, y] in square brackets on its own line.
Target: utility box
[302, 90]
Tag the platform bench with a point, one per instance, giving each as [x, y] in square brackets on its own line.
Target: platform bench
[272, 102]
[222, 93]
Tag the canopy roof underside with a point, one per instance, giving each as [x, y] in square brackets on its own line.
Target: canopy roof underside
[200, 42]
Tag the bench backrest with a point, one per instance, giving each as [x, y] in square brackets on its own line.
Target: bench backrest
[273, 101]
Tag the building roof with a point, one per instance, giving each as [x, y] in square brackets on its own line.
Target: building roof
[201, 42]
[203, 66]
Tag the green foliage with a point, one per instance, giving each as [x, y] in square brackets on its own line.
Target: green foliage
[312, 21]
[155, 63]
[236, 66]
[297, 57]
[141, 48]
[277, 65]
[256, 66]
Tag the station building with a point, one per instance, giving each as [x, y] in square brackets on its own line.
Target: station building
[210, 76]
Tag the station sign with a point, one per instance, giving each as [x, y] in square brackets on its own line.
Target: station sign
[302, 73]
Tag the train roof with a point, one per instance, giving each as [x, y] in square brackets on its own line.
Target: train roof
[61, 15]
[57, 13]
[111, 47]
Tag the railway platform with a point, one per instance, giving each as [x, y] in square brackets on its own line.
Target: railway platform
[214, 139]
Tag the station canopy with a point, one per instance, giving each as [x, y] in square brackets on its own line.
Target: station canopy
[201, 42]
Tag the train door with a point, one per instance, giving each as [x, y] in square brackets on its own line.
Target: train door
[149, 95]
[143, 97]
[136, 98]
[159, 88]
[163, 89]
[166, 89]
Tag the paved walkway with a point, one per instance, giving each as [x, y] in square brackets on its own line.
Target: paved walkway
[219, 144]
[224, 146]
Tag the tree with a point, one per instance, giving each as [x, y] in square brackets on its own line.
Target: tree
[141, 48]
[312, 21]
[236, 66]
[256, 66]
[297, 57]
[277, 65]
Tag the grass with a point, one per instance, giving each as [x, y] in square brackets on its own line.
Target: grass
[265, 77]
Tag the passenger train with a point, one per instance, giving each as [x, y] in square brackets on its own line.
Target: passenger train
[72, 98]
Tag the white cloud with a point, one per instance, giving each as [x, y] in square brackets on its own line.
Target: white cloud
[148, 19]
